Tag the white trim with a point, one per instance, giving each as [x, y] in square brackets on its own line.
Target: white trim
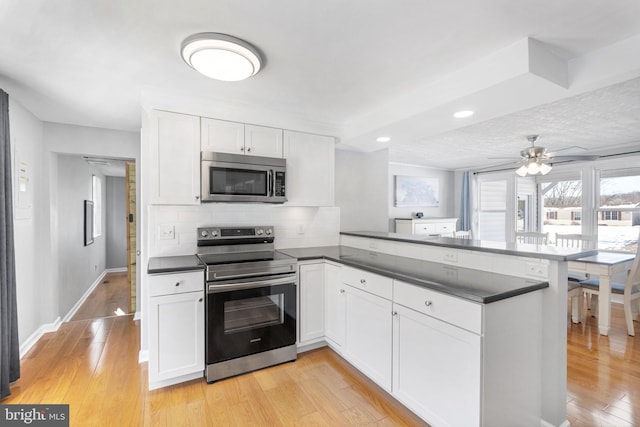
[84, 297]
[34, 337]
[171, 381]
[143, 356]
[116, 270]
[544, 423]
[137, 316]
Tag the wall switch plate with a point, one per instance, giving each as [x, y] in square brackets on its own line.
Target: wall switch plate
[166, 232]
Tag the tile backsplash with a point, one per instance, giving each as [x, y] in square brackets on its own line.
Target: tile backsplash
[172, 229]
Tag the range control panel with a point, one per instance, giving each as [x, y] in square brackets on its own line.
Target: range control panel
[235, 233]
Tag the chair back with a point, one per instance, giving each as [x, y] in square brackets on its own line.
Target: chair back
[532, 237]
[633, 279]
[583, 241]
[462, 234]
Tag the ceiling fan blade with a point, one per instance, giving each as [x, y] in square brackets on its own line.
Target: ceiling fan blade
[499, 165]
[574, 149]
[569, 158]
[515, 159]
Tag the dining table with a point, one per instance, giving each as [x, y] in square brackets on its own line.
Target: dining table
[605, 265]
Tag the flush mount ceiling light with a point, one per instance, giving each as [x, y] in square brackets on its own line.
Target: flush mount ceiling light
[221, 57]
[463, 114]
[383, 139]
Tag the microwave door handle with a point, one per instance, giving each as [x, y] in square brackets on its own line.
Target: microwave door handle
[270, 181]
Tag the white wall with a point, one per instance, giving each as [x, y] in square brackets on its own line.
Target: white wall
[362, 190]
[446, 192]
[116, 221]
[79, 265]
[37, 300]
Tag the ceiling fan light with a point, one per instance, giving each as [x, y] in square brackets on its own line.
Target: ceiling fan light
[221, 57]
[522, 170]
[533, 168]
[545, 168]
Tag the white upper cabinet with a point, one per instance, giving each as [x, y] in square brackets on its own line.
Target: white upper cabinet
[262, 141]
[222, 136]
[310, 169]
[175, 158]
[238, 138]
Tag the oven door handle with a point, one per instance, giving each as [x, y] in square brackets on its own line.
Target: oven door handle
[215, 289]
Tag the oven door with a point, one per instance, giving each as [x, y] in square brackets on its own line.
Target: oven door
[250, 316]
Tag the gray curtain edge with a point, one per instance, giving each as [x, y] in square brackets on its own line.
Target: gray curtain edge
[465, 203]
[9, 342]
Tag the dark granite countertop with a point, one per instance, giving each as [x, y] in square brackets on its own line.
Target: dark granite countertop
[518, 249]
[474, 285]
[171, 264]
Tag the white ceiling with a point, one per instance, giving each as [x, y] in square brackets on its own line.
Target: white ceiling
[568, 70]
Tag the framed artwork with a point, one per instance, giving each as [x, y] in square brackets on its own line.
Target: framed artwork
[417, 191]
[88, 222]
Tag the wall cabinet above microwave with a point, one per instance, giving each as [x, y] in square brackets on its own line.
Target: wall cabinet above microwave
[222, 136]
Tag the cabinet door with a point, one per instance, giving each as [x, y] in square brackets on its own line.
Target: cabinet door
[368, 338]
[176, 335]
[310, 169]
[175, 158]
[222, 136]
[436, 369]
[311, 293]
[335, 316]
[263, 141]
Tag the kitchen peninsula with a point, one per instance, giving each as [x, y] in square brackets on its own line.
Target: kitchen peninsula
[461, 334]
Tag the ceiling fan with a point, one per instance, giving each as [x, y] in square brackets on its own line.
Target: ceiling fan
[535, 159]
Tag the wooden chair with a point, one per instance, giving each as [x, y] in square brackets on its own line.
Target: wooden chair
[462, 234]
[583, 241]
[630, 291]
[532, 237]
[576, 296]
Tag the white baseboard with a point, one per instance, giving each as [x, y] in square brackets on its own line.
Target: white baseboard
[544, 423]
[137, 316]
[116, 270]
[34, 337]
[143, 356]
[84, 297]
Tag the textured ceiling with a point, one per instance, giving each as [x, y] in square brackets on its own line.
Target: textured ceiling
[341, 65]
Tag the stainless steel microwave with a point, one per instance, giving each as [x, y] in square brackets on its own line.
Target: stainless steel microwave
[241, 178]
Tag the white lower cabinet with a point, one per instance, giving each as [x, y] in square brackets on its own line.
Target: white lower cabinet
[311, 302]
[335, 307]
[176, 328]
[436, 369]
[368, 335]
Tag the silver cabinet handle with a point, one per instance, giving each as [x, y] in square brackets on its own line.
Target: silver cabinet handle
[200, 300]
[241, 148]
[394, 313]
[363, 282]
[248, 149]
[342, 291]
[428, 303]
[177, 283]
[197, 197]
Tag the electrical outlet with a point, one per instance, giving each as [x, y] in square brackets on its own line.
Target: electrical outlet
[166, 232]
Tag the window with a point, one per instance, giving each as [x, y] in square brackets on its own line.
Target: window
[561, 200]
[619, 210]
[610, 215]
[97, 206]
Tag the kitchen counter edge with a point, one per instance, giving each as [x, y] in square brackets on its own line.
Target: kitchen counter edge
[174, 264]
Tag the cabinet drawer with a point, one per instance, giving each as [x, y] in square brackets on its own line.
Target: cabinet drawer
[175, 283]
[369, 282]
[424, 228]
[445, 228]
[456, 311]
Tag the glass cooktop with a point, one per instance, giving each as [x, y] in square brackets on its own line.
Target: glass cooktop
[243, 257]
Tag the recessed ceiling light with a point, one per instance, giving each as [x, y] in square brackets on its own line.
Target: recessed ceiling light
[221, 57]
[383, 139]
[463, 114]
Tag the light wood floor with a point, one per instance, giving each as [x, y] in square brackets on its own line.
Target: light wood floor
[603, 373]
[92, 365]
[111, 295]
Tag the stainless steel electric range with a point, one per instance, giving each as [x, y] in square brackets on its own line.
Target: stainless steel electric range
[251, 300]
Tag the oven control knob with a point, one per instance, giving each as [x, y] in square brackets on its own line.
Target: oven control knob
[204, 233]
[214, 233]
[259, 231]
[268, 232]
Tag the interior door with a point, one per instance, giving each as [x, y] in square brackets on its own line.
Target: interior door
[130, 172]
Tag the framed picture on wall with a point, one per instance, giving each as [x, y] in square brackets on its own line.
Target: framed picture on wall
[88, 222]
[417, 191]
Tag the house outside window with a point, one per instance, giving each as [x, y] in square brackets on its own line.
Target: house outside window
[576, 215]
[552, 215]
[610, 216]
[619, 210]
